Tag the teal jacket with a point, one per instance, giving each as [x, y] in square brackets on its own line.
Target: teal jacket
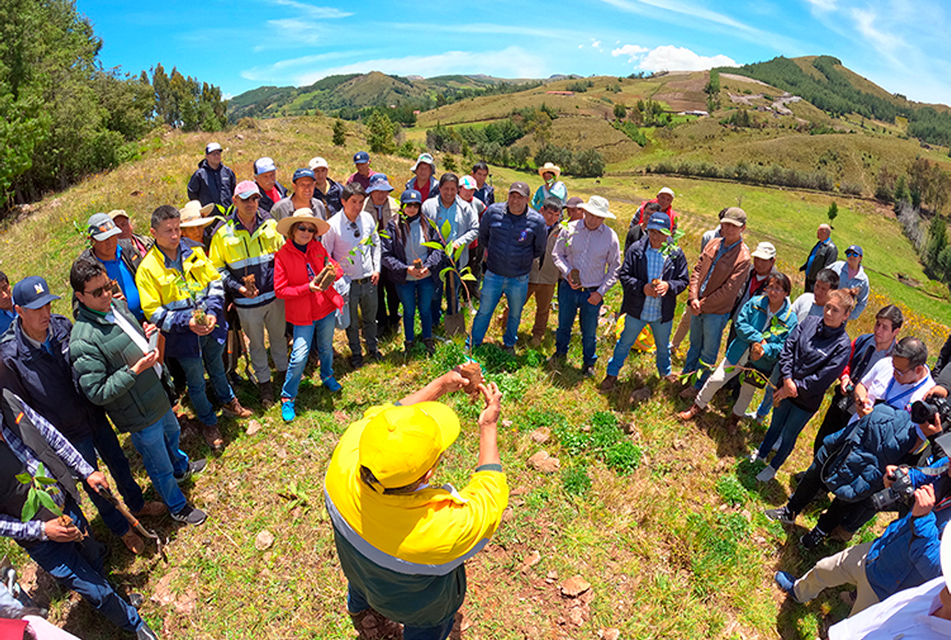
[750, 325]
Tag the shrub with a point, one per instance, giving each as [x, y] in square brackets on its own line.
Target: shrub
[575, 480]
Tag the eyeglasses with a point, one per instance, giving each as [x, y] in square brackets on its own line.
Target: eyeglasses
[775, 290]
[900, 373]
[356, 229]
[306, 229]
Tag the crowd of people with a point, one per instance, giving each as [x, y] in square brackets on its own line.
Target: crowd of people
[253, 268]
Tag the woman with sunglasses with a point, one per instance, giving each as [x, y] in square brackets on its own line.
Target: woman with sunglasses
[402, 247]
[308, 307]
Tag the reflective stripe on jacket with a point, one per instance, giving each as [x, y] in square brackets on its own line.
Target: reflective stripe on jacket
[235, 253]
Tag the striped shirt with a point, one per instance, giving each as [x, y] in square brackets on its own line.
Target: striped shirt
[655, 269]
[595, 254]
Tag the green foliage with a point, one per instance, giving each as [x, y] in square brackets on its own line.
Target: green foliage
[533, 419]
[380, 132]
[40, 494]
[747, 173]
[588, 163]
[732, 491]
[620, 111]
[339, 133]
[575, 480]
[623, 456]
[632, 131]
[832, 212]
[449, 163]
[577, 87]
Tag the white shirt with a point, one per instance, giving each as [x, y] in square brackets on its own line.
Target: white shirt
[880, 383]
[347, 243]
[905, 615]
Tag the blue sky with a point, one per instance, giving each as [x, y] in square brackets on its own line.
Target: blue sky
[242, 44]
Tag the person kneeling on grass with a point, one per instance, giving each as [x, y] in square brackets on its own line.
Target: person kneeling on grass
[762, 326]
[403, 542]
[812, 359]
[310, 300]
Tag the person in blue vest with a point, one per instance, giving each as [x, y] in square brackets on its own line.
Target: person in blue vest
[118, 256]
[214, 181]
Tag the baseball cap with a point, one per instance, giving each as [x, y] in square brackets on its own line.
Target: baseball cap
[246, 189]
[411, 196]
[378, 182]
[659, 221]
[32, 293]
[118, 213]
[101, 227]
[400, 444]
[467, 182]
[573, 202]
[520, 188]
[734, 216]
[764, 251]
[666, 190]
[212, 146]
[263, 165]
[424, 158]
[361, 157]
[303, 173]
[854, 248]
[317, 162]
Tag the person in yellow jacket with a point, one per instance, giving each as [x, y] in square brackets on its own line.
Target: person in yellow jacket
[183, 295]
[403, 542]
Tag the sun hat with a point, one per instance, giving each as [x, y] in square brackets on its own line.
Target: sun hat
[666, 190]
[317, 163]
[263, 165]
[659, 221]
[212, 146]
[361, 157]
[411, 196]
[467, 182]
[854, 248]
[764, 251]
[424, 158]
[598, 206]
[192, 214]
[734, 216]
[520, 188]
[378, 182]
[400, 444]
[32, 293]
[303, 173]
[549, 167]
[304, 214]
[101, 227]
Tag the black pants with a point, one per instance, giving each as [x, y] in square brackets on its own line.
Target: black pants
[388, 305]
[851, 515]
[835, 420]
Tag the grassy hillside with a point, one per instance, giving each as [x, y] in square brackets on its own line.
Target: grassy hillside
[663, 519]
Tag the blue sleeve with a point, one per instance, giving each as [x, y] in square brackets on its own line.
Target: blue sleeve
[775, 341]
[925, 551]
[743, 324]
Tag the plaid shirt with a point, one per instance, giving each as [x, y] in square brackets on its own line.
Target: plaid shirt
[655, 269]
[33, 530]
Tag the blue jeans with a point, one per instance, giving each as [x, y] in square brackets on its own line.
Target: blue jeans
[417, 294]
[706, 332]
[211, 352]
[162, 459]
[321, 333]
[493, 286]
[104, 441]
[78, 566]
[788, 421]
[571, 303]
[767, 404]
[632, 329]
[357, 602]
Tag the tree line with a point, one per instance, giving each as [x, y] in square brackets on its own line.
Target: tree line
[64, 116]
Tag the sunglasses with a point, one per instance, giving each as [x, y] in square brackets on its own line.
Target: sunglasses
[252, 199]
[307, 229]
[98, 292]
[356, 229]
[851, 255]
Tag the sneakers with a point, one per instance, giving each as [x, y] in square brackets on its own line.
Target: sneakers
[777, 444]
[212, 436]
[588, 371]
[375, 355]
[752, 415]
[754, 458]
[812, 539]
[154, 508]
[133, 542]
[782, 514]
[189, 515]
[332, 385]
[766, 474]
[234, 410]
[356, 361]
[266, 392]
[194, 467]
[608, 383]
[144, 633]
[287, 409]
[787, 582]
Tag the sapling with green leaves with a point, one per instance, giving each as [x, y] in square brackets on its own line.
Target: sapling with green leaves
[41, 491]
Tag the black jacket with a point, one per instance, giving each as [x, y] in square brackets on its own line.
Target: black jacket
[393, 249]
[825, 255]
[813, 357]
[633, 276]
[266, 203]
[214, 186]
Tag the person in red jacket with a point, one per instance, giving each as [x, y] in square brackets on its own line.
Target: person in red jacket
[310, 300]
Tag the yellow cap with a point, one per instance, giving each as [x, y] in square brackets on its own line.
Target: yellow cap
[400, 444]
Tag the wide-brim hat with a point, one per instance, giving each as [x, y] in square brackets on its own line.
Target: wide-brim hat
[549, 167]
[304, 214]
[598, 206]
[424, 158]
[192, 214]
[400, 444]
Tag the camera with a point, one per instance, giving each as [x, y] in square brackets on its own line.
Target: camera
[924, 412]
[901, 489]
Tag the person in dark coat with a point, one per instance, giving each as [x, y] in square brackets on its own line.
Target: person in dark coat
[213, 182]
[823, 254]
[265, 176]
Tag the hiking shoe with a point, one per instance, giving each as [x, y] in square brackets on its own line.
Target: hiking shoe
[509, 349]
[375, 355]
[144, 633]
[154, 508]
[608, 383]
[766, 474]
[212, 436]
[812, 539]
[194, 467]
[189, 515]
[782, 514]
[787, 582]
[672, 379]
[133, 542]
[356, 361]
[430, 345]
[287, 409]
[689, 414]
[266, 391]
[535, 342]
[234, 410]
[332, 385]
[587, 371]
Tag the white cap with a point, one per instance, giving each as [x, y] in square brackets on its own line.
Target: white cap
[666, 190]
[263, 165]
[212, 146]
[317, 162]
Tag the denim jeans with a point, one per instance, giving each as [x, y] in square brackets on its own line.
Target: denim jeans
[78, 566]
[162, 458]
[320, 333]
[417, 294]
[632, 329]
[357, 602]
[788, 421]
[211, 352]
[493, 287]
[571, 303]
[104, 441]
[706, 332]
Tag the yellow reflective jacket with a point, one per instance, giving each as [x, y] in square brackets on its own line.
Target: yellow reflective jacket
[236, 253]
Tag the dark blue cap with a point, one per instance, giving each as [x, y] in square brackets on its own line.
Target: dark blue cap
[32, 293]
[660, 221]
[854, 248]
[379, 182]
[303, 173]
[411, 196]
[361, 157]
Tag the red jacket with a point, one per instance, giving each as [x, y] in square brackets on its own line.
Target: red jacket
[292, 283]
[669, 211]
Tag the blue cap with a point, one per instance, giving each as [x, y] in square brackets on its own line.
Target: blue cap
[378, 182]
[361, 157]
[854, 248]
[411, 196]
[32, 293]
[660, 221]
[303, 173]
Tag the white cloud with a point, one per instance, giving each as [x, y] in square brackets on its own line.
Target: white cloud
[824, 5]
[865, 23]
[595, 44]
[305, 32]
[670, 58]
[322, 13]
[633, 51]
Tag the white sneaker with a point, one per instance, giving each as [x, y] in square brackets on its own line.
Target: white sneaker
[766, 474]
[754, 458]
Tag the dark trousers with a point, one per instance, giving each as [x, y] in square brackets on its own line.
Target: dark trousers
[835, 420]
[851, 515]
[104, 441]
[78, 566]
[388, 305]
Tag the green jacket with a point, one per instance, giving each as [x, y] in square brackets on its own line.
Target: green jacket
[102, 355]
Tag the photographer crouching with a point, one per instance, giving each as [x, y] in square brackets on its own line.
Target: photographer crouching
[907, 554]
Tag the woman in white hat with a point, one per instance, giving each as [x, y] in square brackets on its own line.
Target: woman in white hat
[194, 220]
[310, 303]
[550, 172]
